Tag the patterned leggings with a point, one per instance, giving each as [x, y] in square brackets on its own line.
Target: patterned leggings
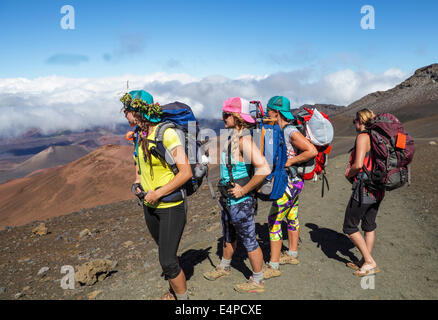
[285, 207]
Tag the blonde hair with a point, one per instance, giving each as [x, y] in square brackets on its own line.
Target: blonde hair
[365, 116]
[239, 128]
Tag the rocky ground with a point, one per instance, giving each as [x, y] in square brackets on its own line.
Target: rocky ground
[406, 248]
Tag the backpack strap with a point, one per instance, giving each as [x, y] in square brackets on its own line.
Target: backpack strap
[229, 165]
[160, 150]
[324, 179]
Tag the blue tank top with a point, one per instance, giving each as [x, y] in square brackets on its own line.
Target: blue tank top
[239, 170]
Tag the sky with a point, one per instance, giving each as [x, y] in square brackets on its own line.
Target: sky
[200, 53]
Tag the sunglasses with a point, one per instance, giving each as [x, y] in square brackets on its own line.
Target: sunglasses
[225, 115]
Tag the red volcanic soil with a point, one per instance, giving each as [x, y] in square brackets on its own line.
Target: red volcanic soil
[104, 176]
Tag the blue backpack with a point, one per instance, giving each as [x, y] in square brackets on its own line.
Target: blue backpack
[269, 139]
[180, 117]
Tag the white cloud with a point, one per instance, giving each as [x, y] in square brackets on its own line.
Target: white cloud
[56, 103]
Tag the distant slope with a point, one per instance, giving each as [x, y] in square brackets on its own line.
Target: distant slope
[15, 152]
[329, 109]
[101, 177]
[51, 157]
[415, 99]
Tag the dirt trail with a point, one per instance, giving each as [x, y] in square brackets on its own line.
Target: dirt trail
[405, 249]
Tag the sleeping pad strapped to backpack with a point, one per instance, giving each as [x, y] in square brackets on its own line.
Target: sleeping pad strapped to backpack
[317, 128]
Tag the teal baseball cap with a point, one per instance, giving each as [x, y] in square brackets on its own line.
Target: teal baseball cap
[281, 104]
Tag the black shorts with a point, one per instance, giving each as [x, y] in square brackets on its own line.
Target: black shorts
[355, 213]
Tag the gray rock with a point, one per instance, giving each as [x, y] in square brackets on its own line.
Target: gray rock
[19, 295]
[2, 290]
[43, 271]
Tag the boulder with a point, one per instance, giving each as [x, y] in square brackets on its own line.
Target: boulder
[40, 230]
[43, 271]
[97, 270]
[84, 233]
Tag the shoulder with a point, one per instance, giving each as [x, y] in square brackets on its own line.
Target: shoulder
[363, 137]
[171, 138]
[290, 129]
[363, 141]
[170, 132]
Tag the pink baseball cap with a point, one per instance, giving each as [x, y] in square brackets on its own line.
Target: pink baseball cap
[240, 106]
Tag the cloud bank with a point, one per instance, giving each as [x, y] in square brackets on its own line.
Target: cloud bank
[58, 103]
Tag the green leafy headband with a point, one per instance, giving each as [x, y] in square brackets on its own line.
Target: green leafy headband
[138, 105]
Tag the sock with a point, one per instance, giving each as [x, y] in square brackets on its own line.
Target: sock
[225, 263]
[182, 296]
[257, 277]
[293, 254]
[274, 265]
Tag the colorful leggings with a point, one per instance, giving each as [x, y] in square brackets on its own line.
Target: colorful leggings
[285, 207]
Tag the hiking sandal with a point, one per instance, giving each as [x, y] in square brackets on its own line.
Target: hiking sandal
[355, 265]
[363, 273]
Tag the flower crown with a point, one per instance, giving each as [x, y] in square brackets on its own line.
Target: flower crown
[138, 105]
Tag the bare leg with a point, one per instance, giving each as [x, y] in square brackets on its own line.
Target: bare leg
[360, 243]
[229, 250]
[294, 236]
[276, 250]
[256, 259]
[369, 239]
[178, 284]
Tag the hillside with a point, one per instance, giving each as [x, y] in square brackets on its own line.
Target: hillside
[101, 177]
[51, 157]
[415, 98]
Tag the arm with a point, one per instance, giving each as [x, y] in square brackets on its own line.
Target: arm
[307, 148]
[261, 167]
[362, 146]
[137, 176]
[183, 175]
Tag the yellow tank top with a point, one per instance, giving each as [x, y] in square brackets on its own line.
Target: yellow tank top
[157, 173]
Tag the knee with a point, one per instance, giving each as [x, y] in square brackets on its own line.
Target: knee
[293, 225]
[170, 270]
[349, 230]
[251, 243]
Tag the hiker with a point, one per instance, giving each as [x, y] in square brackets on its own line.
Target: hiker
[163, 203]
[299, 150]
[239, 157]
[364, 203]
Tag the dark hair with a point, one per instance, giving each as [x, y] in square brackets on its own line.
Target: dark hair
[144, 124]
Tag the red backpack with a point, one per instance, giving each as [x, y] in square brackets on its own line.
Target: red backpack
[392, 149]
[309, 169]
